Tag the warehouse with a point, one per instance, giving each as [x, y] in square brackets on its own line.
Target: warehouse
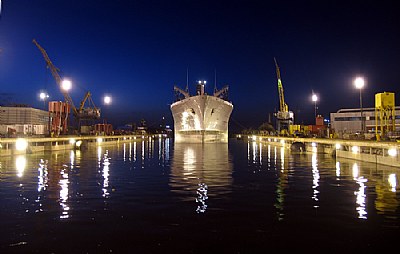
[349, 120]
[23, 121]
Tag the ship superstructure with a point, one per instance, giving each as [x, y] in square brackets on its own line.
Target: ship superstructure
[201, 118]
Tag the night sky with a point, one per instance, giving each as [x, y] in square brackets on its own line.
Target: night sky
[136, 51]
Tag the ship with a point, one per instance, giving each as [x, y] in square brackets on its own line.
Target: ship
[201, 118]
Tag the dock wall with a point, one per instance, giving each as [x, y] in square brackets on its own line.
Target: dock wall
[385, 153]
[9, 147]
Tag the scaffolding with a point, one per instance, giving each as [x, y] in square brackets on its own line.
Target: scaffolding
[385, 115]
[58, 114]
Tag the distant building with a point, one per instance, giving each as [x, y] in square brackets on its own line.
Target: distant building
[23, 120]
[349, 120]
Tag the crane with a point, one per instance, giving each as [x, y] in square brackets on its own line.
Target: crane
[54, 71]
[284, 116]
[81, 112]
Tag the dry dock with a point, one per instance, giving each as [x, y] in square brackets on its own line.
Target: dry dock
[385, 153]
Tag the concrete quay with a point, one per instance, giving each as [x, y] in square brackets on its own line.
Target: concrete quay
[17, 146]
[385, 153]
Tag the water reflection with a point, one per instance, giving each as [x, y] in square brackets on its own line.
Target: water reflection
[43, 177]
[64, 190]
[277, 163]
[316, 177]
[200, 172]
[20, 164]
[106, 174]
[281, 161]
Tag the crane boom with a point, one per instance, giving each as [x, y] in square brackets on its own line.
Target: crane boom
[282, 105]
[54, 71]
[184, 93]
[87, 95]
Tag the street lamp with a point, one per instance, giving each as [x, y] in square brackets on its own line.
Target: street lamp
[66, 85]
[107, 100]
[43, 96]
[359, 84]
[314, 98]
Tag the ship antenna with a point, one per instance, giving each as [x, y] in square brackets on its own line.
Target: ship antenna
[187, 79]
[215, 80]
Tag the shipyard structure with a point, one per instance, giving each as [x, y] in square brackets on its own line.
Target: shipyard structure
[201, 118]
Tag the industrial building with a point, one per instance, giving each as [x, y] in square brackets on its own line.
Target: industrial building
[23, 120]
[383, 120]
[349, 120]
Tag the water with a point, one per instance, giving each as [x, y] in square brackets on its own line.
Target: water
[156, 196]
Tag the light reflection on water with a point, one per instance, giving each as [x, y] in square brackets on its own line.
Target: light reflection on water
[200, 172]
[64, 193]
[316, 176]
[342, 170]
[154, 184]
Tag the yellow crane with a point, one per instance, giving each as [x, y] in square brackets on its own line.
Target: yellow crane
[80, 113]
[284, 116]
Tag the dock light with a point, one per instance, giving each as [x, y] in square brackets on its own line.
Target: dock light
[359, 84]
[21, 144]
[355, 149]
[107, 100]
[314, 98]
[392, 182]
[43, 96]
[392, 152]
[313, 144]
[78, 143]
[254, 137]
[72, 141]
[66, 84]
[99, 140]
[338, 146]
[282, 142]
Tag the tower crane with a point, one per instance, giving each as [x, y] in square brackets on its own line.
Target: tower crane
[81, 112]
[284, 117]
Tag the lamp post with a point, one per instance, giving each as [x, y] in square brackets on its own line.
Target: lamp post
[107, 100]
[43, 97]
[359, 84]
[314, 98]
[66, 85]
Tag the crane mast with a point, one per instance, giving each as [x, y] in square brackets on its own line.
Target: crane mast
[81, 113]
[284, 116]
[283, 107]
[54, 71]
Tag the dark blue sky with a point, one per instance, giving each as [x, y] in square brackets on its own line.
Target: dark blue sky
[138, 50]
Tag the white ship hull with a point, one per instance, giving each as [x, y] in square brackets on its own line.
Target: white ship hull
[201, 119]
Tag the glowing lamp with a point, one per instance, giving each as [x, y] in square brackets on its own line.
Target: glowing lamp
[21, 144]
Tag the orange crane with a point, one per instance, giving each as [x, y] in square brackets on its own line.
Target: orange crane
[284, 117]
[80, 113]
